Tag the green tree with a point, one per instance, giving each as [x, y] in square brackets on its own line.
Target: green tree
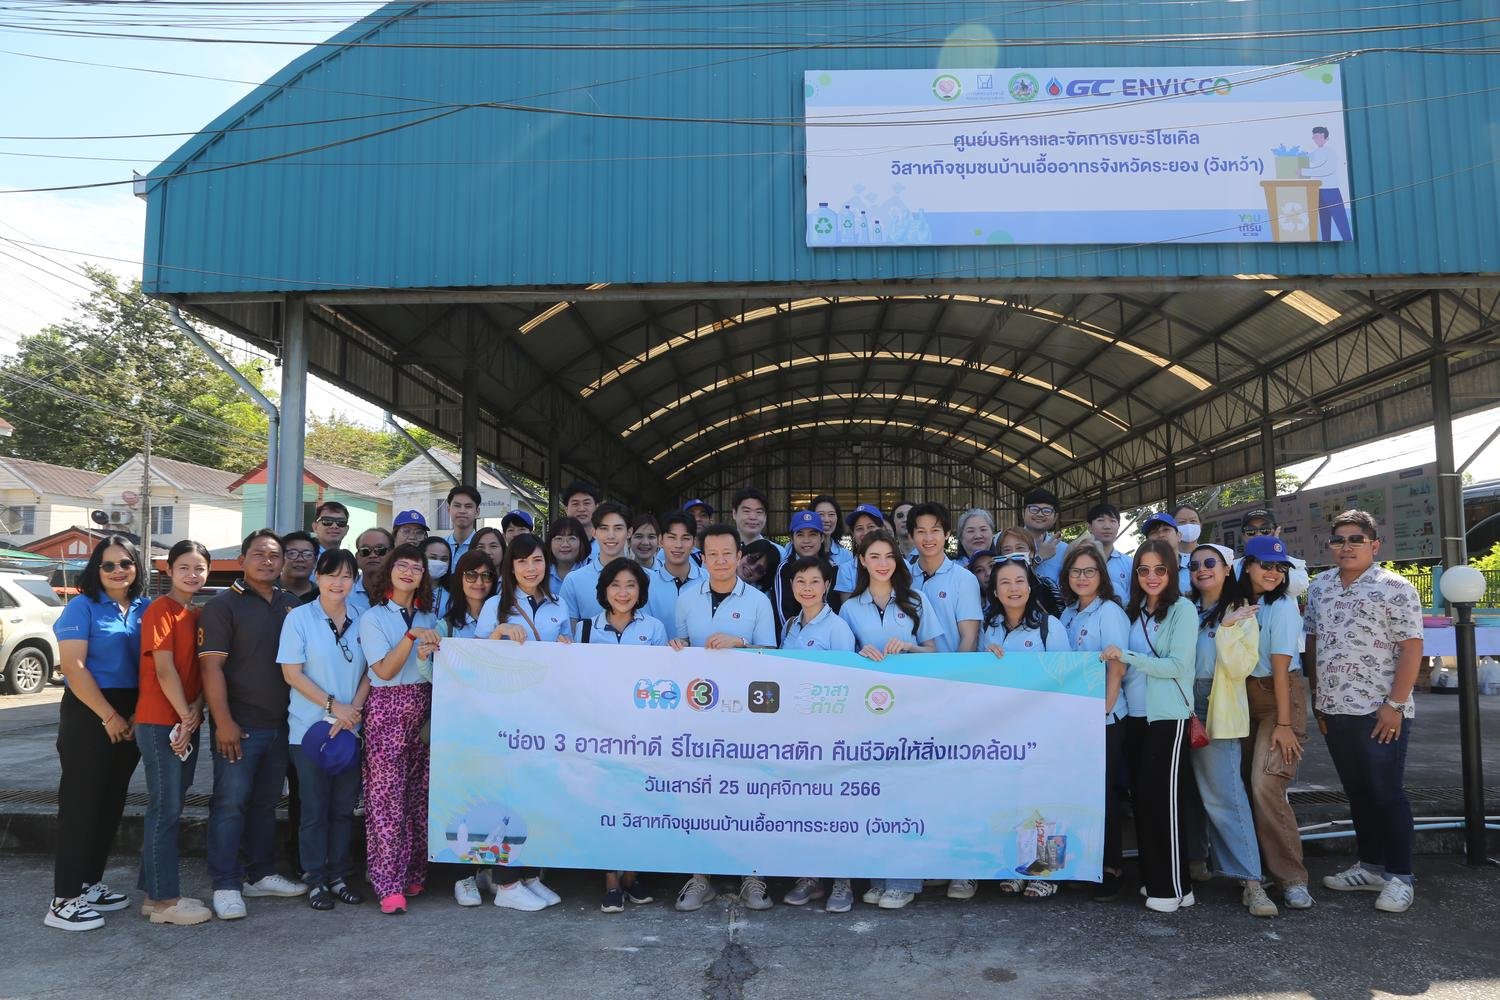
[337, 439]
[1489, 561]
[79, 391]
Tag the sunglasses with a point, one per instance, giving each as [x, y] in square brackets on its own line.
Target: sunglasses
[1277, 566]
[1145, 571]
[123, 564]
[1208, 562]
[1040, 509]
[334, 522]
[477, 576]
[365, 551]
[1264, 529]
[1020, 557]
[1340, 541]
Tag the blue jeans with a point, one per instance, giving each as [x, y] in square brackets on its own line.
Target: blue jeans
[1231, 824]
[328, 802]
[1373, 775]
[242, 813]
[167, 781]
[899, 884]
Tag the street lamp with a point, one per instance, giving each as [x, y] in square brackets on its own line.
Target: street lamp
[1463, 587]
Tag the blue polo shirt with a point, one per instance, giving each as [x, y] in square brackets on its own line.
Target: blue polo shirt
[549, 617]
[1091, 629]
[468, 630]
[643, 630]
[459, 548]
[1027, 640]
[577, 593]
[872, 627]
[744, 612]
[826, 631]
[662, 591]
[114, 637]
[845, 566]
[1118, 566]
[308, 638]
[1280, 634]
[358, 601]
[1206, 653]
[951, 595]
[381, 630]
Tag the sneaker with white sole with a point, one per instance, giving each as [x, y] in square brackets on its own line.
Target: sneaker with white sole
[840, 897]
[228, 904]
[1356, 878]
[540, 891]
[466, 892]
[803, 892]
[872, 895]
[275, 885]
[1396, 897]
[517, 897]
[962, 888]
[1253, 897]
[183, 913]
[1297, 897]
[103, 899]
[753, 893]
[695, 892]
[72, 915]
[894, 899]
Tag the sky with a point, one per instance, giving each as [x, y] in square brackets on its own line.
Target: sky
[106, 225]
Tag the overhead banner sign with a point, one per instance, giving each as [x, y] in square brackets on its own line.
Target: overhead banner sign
[736, 762]
[1182, 154]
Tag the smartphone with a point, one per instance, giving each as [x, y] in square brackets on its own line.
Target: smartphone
[173, 737]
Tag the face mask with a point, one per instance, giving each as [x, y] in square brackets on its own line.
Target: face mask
[1190, 532]
[436, 568]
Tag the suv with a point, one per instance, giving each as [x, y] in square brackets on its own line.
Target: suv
[28, 649]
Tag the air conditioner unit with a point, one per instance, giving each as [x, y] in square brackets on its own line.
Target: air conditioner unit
[120, 517]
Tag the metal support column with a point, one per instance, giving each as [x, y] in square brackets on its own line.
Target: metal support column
[1171, 498]
[288, 510]
[1450, 486]
[554, 478]
[1267, 446]
[468, 435]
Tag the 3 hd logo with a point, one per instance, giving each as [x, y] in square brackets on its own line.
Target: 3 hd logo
[765, 696]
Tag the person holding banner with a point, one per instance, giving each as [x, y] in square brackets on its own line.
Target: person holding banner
[816, 627]
[809, 538]
[1016, 619]
[1160, 656]
[1095, 620]
[723, 612]
[622, 591]
[611, 535]
[399, 636]
[888, 618]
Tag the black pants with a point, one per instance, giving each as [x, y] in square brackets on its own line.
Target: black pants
[1116, 787]
[91, 793]
[1162, 774]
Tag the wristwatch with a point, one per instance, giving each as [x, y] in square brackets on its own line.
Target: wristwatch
[1398, 707]
[328, 706]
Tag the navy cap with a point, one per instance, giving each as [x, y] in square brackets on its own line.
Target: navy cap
[332, 755]
[806, 519]
[697, 503]
[1156, 519]
[981, 554]
[520, 517]
[1267, 549]
[865, 508]
[1259, 514]
[409, 517]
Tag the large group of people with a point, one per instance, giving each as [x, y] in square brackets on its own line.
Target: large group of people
[316, 665]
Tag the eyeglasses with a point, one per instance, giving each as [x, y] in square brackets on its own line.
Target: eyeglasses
[1083, 572]
[334, 522]
[1145, 571]
[407, 566]
[1341, 541]
[300, 554]
[366, 551]
[477, 576]
[1040, 509]
[1260, 529]
[122, 565]
[1208, 562]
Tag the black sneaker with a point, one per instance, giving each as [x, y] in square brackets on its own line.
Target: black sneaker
[347, 893]
[72, 915]
[1109, 888]
[614, 902]
[103, 899]
[320, 897]
[638, 894]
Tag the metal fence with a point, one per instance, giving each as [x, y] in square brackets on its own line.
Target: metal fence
[1422, 580]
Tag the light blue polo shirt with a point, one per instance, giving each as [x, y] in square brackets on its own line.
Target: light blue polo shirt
[459, 548]
[1027, 640]
[744, 612]
[550, 618]
[1184, 577]
[1092, 629]
[845, 566]
[381, 630]
[1280, 635]
[307, 637]
[871, 627]
[554, 579]
[1051, 569]
[1206, 653]
[358, 601]
[826, 631]
[114, 637]
[951, 595]
[662, 591]
[468, 630]
[577, 594]
[1118, 567]
[643, 630]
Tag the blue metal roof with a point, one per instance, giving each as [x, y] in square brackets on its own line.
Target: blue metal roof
[604, 186]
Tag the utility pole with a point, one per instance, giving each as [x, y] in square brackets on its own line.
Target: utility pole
[145, 531]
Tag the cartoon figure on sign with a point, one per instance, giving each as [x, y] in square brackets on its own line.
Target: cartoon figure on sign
[1325, 162]
[507, 832]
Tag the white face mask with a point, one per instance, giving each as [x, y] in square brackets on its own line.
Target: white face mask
[1190, 532]
[437, 568]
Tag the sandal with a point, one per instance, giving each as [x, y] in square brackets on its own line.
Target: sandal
[1009, 885]
[1040, 890]
[347, 893]
[320, 898]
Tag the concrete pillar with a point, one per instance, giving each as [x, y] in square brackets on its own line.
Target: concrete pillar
[294, 353]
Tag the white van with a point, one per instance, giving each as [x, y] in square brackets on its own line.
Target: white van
[28, 649]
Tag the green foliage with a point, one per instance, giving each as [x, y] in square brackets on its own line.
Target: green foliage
[1489, 561]
[337, 439]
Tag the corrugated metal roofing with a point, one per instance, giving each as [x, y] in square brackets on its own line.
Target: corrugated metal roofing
[55, 480]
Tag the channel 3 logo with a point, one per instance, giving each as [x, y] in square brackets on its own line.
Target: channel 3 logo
[657, 694]
[702, 694]
[765, 696]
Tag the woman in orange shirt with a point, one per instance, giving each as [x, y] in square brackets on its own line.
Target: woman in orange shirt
[168, 714]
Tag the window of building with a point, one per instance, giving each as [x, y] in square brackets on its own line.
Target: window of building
[161, 520]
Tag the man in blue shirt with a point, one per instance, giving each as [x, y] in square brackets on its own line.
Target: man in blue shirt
[949, 591]
[677, 571]
[463, 513]
[1104, 525]
[611, 526]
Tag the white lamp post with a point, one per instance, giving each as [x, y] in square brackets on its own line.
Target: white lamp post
[1463, 587]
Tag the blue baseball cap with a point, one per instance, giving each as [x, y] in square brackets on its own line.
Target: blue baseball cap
[520, 517]
[333, 755]
[697, 503]
[865, 508]
[1267, 549]
[1158, 519]
[409, 517]
[806, 519]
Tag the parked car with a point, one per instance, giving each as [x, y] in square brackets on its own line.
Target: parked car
[28, 649]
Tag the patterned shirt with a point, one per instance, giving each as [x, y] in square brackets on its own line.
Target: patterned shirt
[1357, 629]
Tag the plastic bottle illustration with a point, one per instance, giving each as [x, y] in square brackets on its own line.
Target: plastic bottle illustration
[846, 225]
[863, 234]
[877, 235]
[821, 226]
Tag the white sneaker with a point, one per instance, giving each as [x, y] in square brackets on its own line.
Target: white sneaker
[466, 892]
[894, 899]
[871, 896]
[540, 891]
[1396, 897]
[694, 893]
[1356, 878]
[228, 904]
[72, 915]
[753, 893]
[275, 885]
[1297, 897]
[1253, 897]
[1169, 904]
[961, 888]
[102, 899]
[517, 897]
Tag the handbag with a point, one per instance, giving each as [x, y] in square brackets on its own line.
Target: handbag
[1197, 735]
